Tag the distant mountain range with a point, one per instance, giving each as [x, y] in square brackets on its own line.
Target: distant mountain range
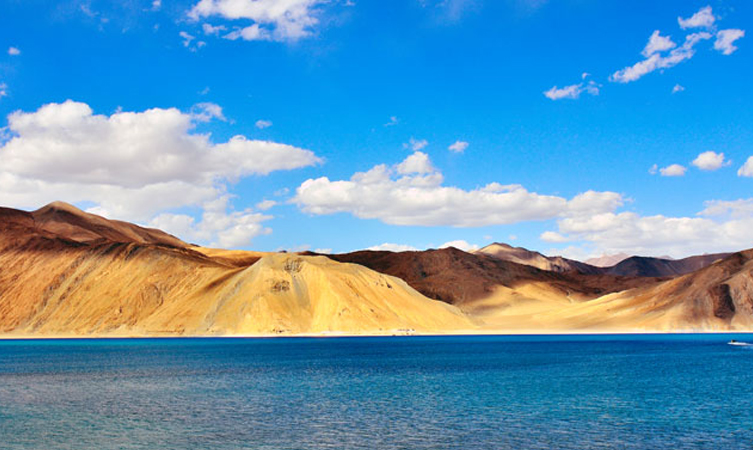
[69, 273]
[626, 266]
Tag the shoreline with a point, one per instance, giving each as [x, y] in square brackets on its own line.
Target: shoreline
[335, 335]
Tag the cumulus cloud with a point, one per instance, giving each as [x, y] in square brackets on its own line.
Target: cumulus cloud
[632, 233]
[390, 247]
[418, 162]
[262, 124]
[458, 147]
[704, 18]
[206, 111]
[725, 40]
[131, 165]
[673, 170]
[14, 51]
[460, 244]
[275, 20]
[3, 90]
[265, 205]
[662, 53]
[657, 44]
[416, 144]
[573, 91]
[211, 30]
[735, 208]
[218, 227]
[412, 193]
[677, 89]
[710, 161]
[747, 169]
[656, 60]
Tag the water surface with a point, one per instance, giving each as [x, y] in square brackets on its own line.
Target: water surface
[472, 392]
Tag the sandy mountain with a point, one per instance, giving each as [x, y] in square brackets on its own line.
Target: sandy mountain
[521, 255]
[640, 266]
[68, 273]
[75, 284]
[717, 297]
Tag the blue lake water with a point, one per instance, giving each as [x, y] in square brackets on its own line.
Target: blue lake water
[528, 392]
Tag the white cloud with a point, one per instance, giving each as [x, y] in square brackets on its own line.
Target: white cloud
[187, 38]
[658, 62]
[262, 124]
[210, 30]
[393, 121]
[460, 244]
[399, 196]
[415, 144]
[3, 90]
[156, 5]
[553, 236]
[747, 169]
[418, 163]
[673, 170]
[13, 51]
[188, 41]
[390, 247]
[206, 111]
[710, 161]
[131, 165]
[265, 205]
[657, 44]
[217, 227]
[573, 91]
[704, 18]
[677, 89]
[458, 147]
[736, 208]
[277, 20]
[654, 169]
[631, 233]
[725, 40]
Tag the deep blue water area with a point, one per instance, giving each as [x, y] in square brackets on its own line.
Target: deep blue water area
[457, 392]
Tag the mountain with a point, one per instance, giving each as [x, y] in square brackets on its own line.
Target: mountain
[460, 278]
[718, 297]
[62, 219]
[607, 260]
[521, 255]
[68, 273]
[629, 266]
[640, 266]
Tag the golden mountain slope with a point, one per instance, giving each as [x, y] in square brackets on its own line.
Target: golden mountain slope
[51, 285]
[67, 273]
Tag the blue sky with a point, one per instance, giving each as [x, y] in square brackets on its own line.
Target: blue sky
[303, 124]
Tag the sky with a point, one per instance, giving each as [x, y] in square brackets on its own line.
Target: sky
[571, 127]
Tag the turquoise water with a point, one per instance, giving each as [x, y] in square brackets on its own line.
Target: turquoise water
[531, 392]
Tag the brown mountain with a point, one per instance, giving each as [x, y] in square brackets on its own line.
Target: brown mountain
[521, 255]
[641, 266]
[633, 266]
[64, 220]
[458, 277]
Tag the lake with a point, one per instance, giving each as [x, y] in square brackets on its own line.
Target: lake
[457, 392]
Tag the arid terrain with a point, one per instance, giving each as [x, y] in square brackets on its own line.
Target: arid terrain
[69, 273]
